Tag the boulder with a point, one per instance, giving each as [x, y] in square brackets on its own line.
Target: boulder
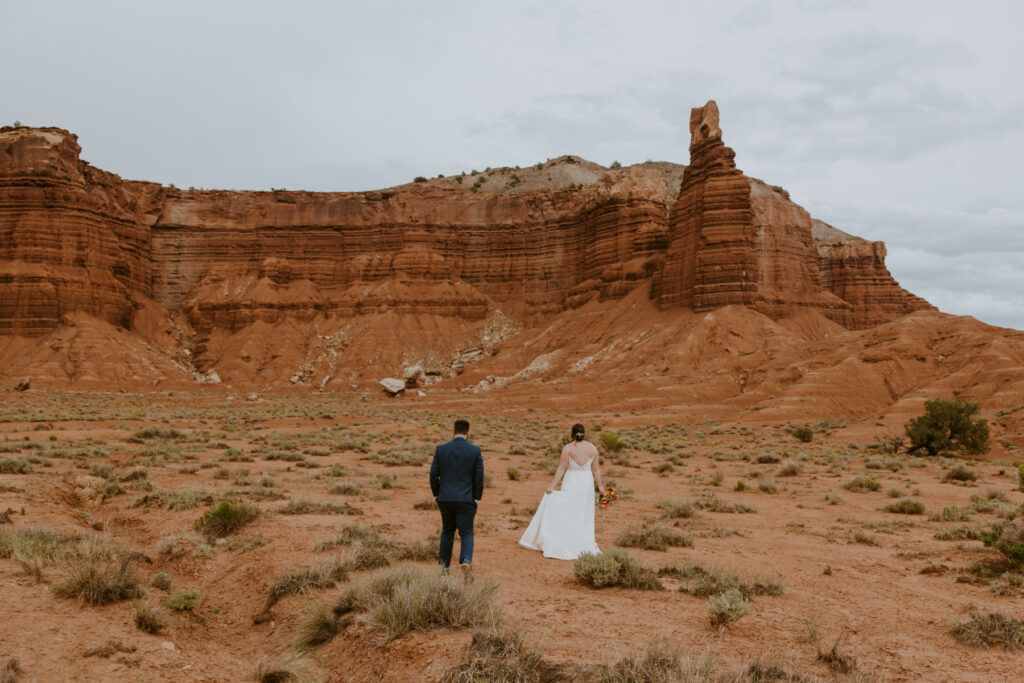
[393, 386]
[413, 376]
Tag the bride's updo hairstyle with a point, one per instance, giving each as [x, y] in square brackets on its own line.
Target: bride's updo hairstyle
[578, 432]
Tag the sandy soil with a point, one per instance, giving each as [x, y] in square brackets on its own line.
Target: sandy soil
[847, 565]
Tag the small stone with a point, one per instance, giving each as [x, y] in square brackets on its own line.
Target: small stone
[167, 645]
[23, 385]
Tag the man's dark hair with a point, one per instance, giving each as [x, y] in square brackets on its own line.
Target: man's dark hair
[461, 427]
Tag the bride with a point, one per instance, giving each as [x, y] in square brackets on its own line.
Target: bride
[563, 526]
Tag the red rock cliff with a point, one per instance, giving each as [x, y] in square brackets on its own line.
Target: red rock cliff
[73, 238]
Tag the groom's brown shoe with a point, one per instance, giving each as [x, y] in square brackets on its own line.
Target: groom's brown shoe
[467, 571]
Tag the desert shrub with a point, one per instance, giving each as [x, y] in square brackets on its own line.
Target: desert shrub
[833, 498]
[226, 519]
[658, 663]
[308, 507]
[678, 509]
[500, 654]
[891, 464]
[948, 425]
[149, 618]
[406, 599]
[804, 434]
[513, 474]
[291, 667]
[9, 465]
[716, 504]
[862, 484]
[960, 472]
[766, 459]
[516, 449]
[613, 568]
[790, 469]
[727, 607]
[307, 579]
[767, 485]
[611, 442]
[1008, 539]
[654, 537]
[907, 506]
[161, 581]
[158, 433]
[345, 488]
[697, 580]
[136, 474]
[864, 537]
[184, 601]
[992, 628]
[953, 514]
[177, 545]
[740, 486]
[1020, 477]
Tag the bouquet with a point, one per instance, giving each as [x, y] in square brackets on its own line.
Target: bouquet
[608, 497]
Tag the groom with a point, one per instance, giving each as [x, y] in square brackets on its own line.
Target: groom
[457, 480]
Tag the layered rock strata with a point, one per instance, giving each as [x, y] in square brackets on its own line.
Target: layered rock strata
[73, 238]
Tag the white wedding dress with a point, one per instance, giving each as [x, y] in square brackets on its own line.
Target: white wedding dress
[563, 526]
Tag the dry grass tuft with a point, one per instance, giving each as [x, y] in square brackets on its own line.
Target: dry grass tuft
[502, 655]
[728, 606]
[11, 671]
[226, 519]
[149, 618]
[991, 628]
[311, 578]
[293, 667]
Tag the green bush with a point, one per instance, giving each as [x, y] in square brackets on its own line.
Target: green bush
[1008, 539]
[10, 465]
[948, 425]
[611, 442]
[990, 628]
[184, 601]
[614, 568]
[513, 474]
[225, 519]
[804, 434]
[1020, 477]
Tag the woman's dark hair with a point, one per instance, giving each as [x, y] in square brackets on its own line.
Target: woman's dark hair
[578, 432]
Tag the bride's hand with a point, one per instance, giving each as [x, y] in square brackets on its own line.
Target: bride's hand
[551, 489]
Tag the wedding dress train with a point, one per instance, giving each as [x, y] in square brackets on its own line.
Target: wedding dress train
[563, 526]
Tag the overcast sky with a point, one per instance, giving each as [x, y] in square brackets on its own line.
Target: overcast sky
[895, 121]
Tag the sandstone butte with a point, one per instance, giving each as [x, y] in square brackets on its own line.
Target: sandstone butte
[655, 283]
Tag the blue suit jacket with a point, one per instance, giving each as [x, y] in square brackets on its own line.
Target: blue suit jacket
[457, 472]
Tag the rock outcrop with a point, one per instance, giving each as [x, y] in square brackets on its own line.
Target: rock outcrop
[334, 276]
[736, 240]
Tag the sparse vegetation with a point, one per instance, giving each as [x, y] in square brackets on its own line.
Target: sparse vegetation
[654, 537]
[907, 506]
[862, 484]
[960, 472]
[727, 607]
[1008, 539]
[10, 465]
[804, 434]
[292, 667]
[226, 519]
[501, 654]
[988, 629]
[697, 580]
[948, 425]
[149, 618]
[307, 579]
[99, 572]
[614, 568]
[407, 599]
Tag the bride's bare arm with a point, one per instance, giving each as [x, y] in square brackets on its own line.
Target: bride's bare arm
[563, 463]
[595, 468]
